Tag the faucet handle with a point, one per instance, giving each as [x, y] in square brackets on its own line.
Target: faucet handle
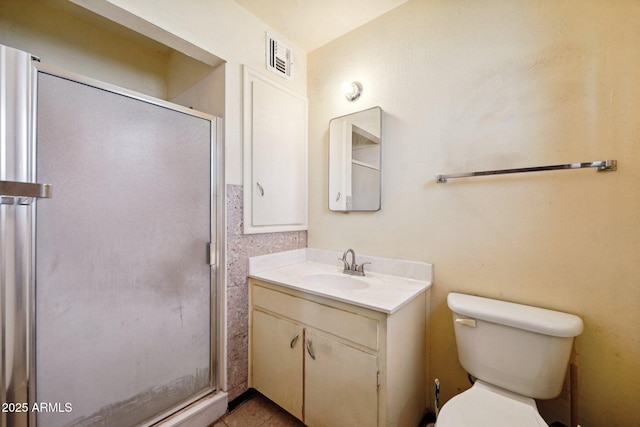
[344, 260]
[361, 267]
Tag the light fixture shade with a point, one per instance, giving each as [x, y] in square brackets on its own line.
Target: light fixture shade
[352, 90]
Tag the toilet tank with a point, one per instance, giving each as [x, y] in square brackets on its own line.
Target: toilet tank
[517, 347]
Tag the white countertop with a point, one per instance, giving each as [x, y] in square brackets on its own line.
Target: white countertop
[383, 292]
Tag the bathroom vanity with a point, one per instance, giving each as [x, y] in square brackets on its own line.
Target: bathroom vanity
[332, 349]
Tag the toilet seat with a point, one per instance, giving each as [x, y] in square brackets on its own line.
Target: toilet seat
[484, 405]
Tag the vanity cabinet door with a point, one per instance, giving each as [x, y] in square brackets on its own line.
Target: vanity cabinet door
[276, 355]
[341, 384]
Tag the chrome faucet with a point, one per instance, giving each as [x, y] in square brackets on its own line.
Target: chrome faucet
[353, 268]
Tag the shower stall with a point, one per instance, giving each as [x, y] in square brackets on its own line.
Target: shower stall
[110, 237]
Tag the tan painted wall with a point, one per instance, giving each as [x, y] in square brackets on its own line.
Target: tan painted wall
[473, 85]
[68, 37]
[69, 43]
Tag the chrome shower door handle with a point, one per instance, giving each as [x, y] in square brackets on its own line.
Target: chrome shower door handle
[25, 189]
[310, 349]
[21, 193]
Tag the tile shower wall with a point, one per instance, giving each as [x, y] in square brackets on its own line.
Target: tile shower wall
[239, 248]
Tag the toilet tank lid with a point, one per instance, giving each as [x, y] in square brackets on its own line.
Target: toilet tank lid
[534, 319]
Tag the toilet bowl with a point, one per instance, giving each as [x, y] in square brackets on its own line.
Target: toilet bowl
[484, 405]
[518, 353]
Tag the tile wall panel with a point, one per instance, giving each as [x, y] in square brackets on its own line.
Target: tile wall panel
[239, 248]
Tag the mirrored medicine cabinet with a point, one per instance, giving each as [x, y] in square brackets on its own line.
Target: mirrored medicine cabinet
[355, 161]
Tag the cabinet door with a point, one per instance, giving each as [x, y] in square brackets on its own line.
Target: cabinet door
[275, 162]
[341, 384]
[276, 359]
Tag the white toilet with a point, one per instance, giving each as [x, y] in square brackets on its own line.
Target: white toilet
[516, 352]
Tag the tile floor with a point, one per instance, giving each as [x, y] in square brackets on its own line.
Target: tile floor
[258, 411]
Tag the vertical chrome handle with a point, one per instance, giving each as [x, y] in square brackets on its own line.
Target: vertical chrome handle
[338, 198]
[294, 341]
[260, 189]
[310, 349]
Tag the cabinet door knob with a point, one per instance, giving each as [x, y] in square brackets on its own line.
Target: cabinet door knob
[260, 189]
[310, 349]
[294, 341]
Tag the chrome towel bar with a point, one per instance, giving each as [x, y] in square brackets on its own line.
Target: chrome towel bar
[600, 165]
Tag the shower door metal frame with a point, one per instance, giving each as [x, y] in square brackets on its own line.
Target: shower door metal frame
[16, 217]
[213, 254]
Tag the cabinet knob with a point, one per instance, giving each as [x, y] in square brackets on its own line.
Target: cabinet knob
[294, 341]
[260, 189]
[310, 349]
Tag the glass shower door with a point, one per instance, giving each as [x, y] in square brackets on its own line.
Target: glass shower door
[124, 287]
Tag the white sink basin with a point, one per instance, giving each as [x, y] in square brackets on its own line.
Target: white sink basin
[335, 281]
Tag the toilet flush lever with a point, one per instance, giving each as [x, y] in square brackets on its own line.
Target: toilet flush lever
[466, 322]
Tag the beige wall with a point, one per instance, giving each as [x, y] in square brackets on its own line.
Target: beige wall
[68, 37]
[473, 85]
[64, 41]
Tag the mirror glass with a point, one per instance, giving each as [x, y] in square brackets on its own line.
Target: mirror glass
[355, 160]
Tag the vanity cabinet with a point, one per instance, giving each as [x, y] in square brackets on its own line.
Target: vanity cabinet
[331, 363]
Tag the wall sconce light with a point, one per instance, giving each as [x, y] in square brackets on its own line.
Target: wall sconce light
[352, 90]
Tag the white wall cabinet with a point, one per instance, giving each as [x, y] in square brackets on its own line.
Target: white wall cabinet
[331, 363]
[275, 156]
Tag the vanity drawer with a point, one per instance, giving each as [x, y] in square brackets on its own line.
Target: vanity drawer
[353, 327]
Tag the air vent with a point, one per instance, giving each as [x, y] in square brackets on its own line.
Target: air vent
[279, 57]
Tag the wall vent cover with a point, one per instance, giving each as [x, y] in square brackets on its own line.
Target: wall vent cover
[279, 57]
